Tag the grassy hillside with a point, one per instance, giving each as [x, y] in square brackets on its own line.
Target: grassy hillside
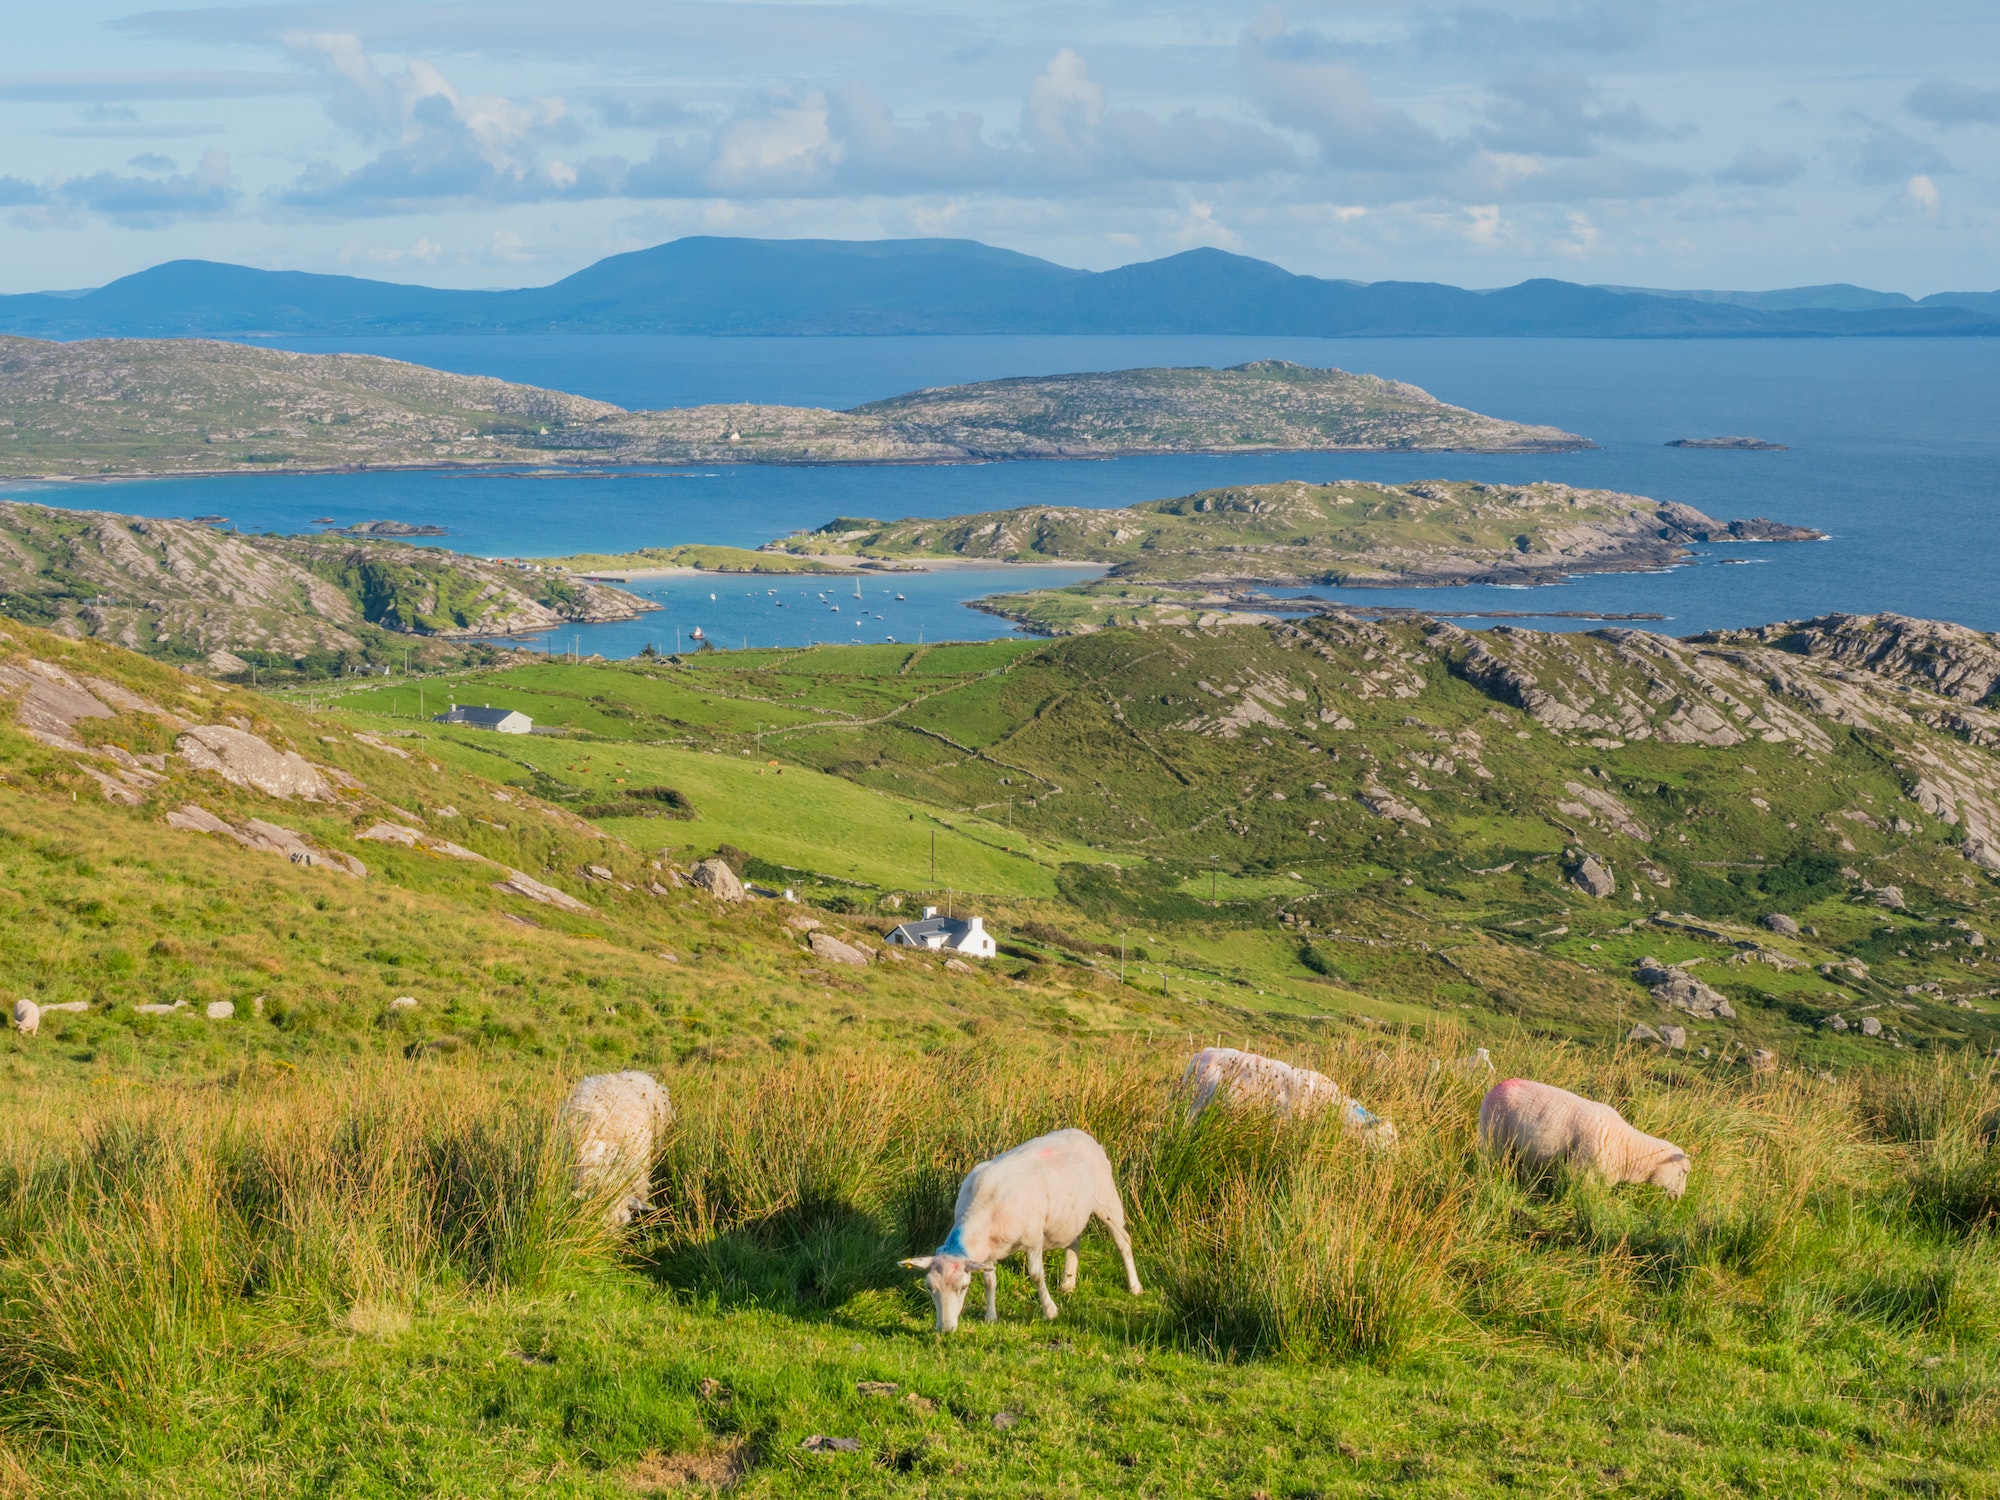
[1347, 532]
[326, 1245]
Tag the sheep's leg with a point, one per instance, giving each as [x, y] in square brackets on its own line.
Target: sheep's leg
[1115, 1222]
[1039, 1275]
[992, 1295]
[1069, 1271]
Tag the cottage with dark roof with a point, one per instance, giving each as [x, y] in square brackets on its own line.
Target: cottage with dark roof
[500, 720]
[968, 937]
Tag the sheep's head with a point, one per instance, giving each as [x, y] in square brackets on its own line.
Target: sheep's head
[1671, 1174]
[949, 1278]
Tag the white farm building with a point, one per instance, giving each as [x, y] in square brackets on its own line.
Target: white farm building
[500, 720]
[968, 937]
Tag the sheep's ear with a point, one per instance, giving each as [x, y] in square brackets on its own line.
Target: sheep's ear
[917, 1263]
[977, 1267]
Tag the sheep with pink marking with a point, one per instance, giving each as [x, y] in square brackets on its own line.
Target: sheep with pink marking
[1538, 1123]
[1038, 1197]
[1251, 1078]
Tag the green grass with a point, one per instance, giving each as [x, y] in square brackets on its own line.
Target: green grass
[374, 1283]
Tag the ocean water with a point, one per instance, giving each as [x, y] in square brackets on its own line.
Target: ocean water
[1894, 451]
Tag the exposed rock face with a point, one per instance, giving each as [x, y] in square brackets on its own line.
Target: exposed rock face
[1870, 1026]
[1593, 878]
[1890, 896]
[518, 884]
[1675, 1037]
[239, 757]
[220, 1010]
[1949, 660]
[1594, 803]
[1642, 1033]
[1681, 990]
[721, 882]
[1781, 924]
[269, 838]
[1762, 1060]
[1386, 804]
[831, 949]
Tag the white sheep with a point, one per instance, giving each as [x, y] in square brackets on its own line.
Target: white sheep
[1293, 1091]
[614, 1120]
[1541, 1123]
[27, 1017]
[1039, 1196]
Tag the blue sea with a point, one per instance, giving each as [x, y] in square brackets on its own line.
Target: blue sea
[1894, 450]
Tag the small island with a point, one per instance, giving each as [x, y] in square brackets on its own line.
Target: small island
[389, 528]
[1352, 533]
[1733, 444]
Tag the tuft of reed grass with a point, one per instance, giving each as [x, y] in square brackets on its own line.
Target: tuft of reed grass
[160, 1232]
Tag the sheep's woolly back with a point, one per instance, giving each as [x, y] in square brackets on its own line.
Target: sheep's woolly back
[1254, 1079]
[27, 1017]
[1540, 1123]
[613, 1120]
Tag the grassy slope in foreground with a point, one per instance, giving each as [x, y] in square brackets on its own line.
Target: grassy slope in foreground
[1347, 532]
[108, 407]
[329, 1246]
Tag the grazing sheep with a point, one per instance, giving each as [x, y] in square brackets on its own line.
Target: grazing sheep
[27, 1017]
[1541, 1123]
[1288, 1090]
[614, 1120]
[1038, 1196]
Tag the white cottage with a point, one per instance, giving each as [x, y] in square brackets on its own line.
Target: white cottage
[967, 937]
[500, 720]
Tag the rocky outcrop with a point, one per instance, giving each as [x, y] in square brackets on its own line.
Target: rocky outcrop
[1781, 924]
[242, 759]
[832, 950]
[1591, 876]
[269, 838]
[1674, 986]
[721, 882]
[1386, 804]
[518, 884]
[1949, 660]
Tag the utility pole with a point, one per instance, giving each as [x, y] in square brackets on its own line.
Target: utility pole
[1121, 955]
[933, 859]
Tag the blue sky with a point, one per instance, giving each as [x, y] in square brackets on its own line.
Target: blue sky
[500, 142]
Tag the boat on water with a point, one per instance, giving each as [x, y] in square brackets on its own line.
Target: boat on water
[696, 633]
[323, 521]
[834, 607]
[899, 596]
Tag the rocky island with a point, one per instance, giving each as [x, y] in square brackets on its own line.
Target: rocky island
[1350, 533]
[1735, 444]
[109, 408]
[180, 590]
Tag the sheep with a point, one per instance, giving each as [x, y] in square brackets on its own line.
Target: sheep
[27, 1017]
[1279, 1086]
[1040, 1195]
[1540, 1123]
[614, 1120]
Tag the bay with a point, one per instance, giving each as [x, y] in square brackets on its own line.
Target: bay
[1894, 451]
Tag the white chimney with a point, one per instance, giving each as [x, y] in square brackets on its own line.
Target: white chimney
[929, 912]
[974, 924]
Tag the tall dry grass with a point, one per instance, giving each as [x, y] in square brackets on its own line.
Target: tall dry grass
[147, 1234]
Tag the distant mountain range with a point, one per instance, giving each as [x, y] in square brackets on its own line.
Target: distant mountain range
[710, 285]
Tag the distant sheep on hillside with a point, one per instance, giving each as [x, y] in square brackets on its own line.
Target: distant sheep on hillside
[614, 1121]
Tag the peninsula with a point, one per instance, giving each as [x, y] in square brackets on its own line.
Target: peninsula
[112, 408]
[1350, 533]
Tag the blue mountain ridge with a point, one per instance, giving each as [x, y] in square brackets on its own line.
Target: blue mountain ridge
[716, 285]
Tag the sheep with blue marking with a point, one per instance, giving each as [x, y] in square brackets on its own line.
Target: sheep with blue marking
[1038, 1197]
[1294, 1092]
